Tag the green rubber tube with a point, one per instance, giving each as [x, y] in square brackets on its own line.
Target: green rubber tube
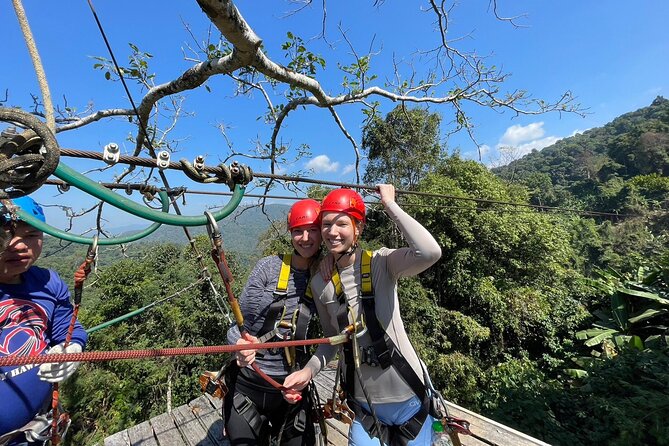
[118, 319]
[68, 236]
[79, 181]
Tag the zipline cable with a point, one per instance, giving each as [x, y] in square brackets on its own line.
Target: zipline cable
[81, 182]
[149, 162]
[178, 191]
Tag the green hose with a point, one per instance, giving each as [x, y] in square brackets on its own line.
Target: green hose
[118, 319]
[79, 181]
[44, 227]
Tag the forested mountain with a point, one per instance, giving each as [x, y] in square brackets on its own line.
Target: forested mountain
[241, 234]
[621, 167]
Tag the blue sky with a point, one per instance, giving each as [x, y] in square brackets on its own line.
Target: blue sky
[612, 55]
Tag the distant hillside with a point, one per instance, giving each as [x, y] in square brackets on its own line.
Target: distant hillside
[241, 232]
[594, 167]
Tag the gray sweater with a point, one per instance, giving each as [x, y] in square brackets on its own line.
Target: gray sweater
[255, 300]
[388, 265]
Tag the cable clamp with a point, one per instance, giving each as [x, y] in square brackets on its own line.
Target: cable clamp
[198, 163]
[111, 153]
[163, 160]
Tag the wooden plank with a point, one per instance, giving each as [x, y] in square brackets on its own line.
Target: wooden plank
[490, 430]
[190, 427]
[216, 403]
[211, 420]
[166, 431]
[337, 433]
[118, 439]
[142, 435]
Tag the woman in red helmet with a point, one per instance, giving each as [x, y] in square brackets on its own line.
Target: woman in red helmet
[274, 306]
[386, 390]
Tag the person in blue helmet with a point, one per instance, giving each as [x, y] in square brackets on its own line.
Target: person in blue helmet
[35, 314]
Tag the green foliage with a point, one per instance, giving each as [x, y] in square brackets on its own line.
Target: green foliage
[637, 315]
[301, 59]
[402, 148]
[510, 272]
[137, 69]
[358, 71]
[106, 397]
[622, 401]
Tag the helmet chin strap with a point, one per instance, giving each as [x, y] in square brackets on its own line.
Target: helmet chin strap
[347, 253]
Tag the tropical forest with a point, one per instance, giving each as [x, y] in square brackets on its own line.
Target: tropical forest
[158, 131]
[550, 318]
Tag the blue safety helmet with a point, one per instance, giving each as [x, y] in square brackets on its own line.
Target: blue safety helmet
[30, 206]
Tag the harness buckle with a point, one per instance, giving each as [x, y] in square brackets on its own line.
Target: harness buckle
[242, 403]
[300, 421]
[368, 356]
[384, 359]
[407, 431]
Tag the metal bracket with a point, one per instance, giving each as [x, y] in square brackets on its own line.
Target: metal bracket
[111, 153]
[198, 163]
[163, 160]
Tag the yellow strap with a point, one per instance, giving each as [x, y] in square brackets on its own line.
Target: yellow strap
[337, 282]
[366, 269]
[366, 272]
[282, 284]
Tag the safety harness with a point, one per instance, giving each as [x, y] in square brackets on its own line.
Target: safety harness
[382, 353]
[40, 428]
[276, 322]
[284, 327]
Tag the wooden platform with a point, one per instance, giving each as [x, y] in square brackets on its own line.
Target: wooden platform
[199, 423]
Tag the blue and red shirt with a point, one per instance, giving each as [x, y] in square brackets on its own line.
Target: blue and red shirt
[34, 316]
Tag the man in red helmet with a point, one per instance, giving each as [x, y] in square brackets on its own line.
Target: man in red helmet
[275, 307]
[382, 376]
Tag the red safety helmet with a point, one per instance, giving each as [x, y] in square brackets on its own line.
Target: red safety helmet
[347, 201]
[304, 212]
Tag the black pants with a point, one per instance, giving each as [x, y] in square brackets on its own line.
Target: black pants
[293, 422]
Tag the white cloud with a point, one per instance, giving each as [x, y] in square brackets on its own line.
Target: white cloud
[322, 163]
[348, 169]
[517, 134]
[537, 144]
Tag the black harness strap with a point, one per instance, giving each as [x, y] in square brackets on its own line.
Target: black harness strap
[274, 311]
[387, 354]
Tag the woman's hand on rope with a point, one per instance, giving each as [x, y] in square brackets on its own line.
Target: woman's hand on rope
[326, 266]
[294, 383]
[55, 372]
[246, 357]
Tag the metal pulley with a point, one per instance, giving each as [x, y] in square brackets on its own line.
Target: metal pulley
[28, 157]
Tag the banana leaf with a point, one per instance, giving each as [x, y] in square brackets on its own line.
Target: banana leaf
[620, 310]
[592, 332]
[577, 373]
[648, 314]
[644, 294]
[606, 334]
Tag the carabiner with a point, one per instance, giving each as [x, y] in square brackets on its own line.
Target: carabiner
[92, 250]
[212, 227]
